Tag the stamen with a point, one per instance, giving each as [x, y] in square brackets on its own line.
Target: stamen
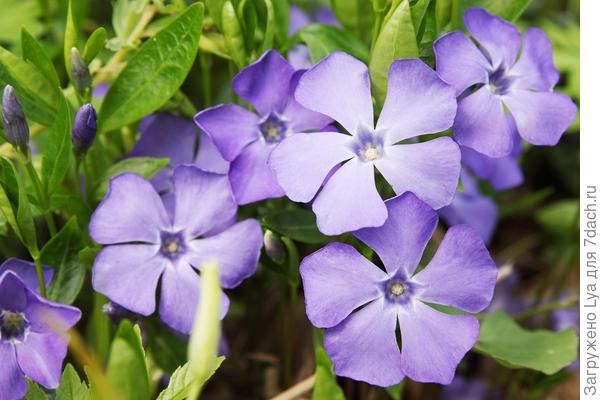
[273, 127]
[396, 289]
[371, 153]
[13, 325]
[172, 244]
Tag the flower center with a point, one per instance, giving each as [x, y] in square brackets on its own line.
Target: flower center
[395, 289]
[499, 81]
[273, 127]
[172, 244]
[13, 326]
[368, 145]
[371, 153]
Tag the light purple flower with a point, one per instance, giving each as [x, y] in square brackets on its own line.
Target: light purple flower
[33, 340]
[247, 139]
[27, 272]
[502, 173]
[145, 243]
[362, 344]
[176, 138]
[501, 74]
[418, 102]
[472, 208]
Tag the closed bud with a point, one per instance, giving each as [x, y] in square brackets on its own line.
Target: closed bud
[84, 129]
[274, 247]
[80, 74]
[13, 120]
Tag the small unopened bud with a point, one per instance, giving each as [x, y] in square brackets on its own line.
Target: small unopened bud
[80, 73]
[274, 247]
[13, 120]
[84, 129]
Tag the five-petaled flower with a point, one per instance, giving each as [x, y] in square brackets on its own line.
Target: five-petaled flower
[247, 139]
[362, 344]
[418, 102]
[149, 238]
[33, 338]
[500, 93]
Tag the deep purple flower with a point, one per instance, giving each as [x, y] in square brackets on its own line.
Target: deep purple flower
[247, 139]
[146, 243]
[418, 102]
[502, 74]
[83, 131]
[27, 272]
[33, 340]
[166, 135]
[13, 120]
[472, 208]
[362, 345]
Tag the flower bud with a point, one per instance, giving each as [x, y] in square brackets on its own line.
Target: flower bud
[80, 74]
[274, 247]
[84, 129]
[13, 120]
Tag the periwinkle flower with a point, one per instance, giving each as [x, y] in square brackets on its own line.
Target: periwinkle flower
[33, 339]
[362, 344]
[179, 139]
[299, 55]
[13, 120]
[502, 80]
[247, 139]
[418, 102]
[502, 173]
[84, 129]
[472, 208]
[148, 239]
[27, 272]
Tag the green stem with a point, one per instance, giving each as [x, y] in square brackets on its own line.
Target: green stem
[40, 275]
[205, 63]
[41, 195]
[571, 302]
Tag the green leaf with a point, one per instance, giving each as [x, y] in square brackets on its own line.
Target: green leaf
[509, 10]
[443, 13]
[397, 39]
[248, 18]
[355, 15]
[125, 17]
[36, 93]
[70, 38]
[323, 40]
[154, 73]
[71, 387]
[66, 201]
[62, 253]
[9, 195]
[181, 382]
[34, 392]
[395, 391]
[560, 218]
[232, 32]
[58, 151]
[146, 167]
[297, 224]
[18, 13]
[215, 10]
[126, 368]
[326, 387]
[514, 347]
[34, 53]
[281, 16]
[25, 219]
[94, 45]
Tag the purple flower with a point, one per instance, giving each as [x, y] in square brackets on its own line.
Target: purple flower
[502, 173]
[466, 389]
[176, 138]
[247, 139]
[491, 79]
[33, 340]
[146, 243]
[26, 271]
[418, 102]
[362, 345]
[83, 131]
[472, 208]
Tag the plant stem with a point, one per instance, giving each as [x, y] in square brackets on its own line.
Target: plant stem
[548, 308]
[297, 390]
[40, 275]
[40, 194]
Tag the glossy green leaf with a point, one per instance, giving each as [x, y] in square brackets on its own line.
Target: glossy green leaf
[57, 154]
[232, 32]
[395, 391]
[326, 387]
[16, 14]
[297, 224]
[9, 195]
[71, 387]
[62, 253]
[180, 382]
[126, 368]
[35, 53]
[323, 40]
[354, 15]
[146, 167]
[443, 13]
[36, 93]
[560, 218]
[397, 39]
[270, 28]
[154, 73]
[34, 391]
[281, 17]
[70, 38]
[94, 45]
[248, 19]
[214, 8]
[512, 346]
